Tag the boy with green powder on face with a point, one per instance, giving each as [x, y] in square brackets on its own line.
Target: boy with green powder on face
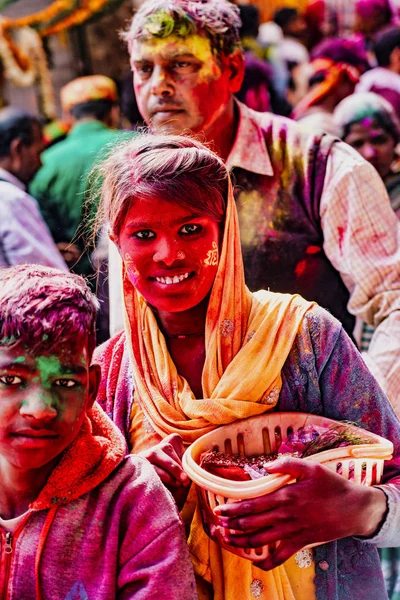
[77, 518]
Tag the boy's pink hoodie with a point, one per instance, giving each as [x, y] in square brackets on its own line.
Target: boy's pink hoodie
[103, 528]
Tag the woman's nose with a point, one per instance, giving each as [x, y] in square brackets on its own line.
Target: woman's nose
[168, 252]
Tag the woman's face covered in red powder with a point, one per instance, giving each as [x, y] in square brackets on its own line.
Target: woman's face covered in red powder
[170, 252]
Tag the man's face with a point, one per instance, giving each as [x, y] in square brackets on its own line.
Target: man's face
[43, 400]
[29, 156]
[179, 83]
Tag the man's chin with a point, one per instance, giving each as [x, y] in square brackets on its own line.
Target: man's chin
[170, 126]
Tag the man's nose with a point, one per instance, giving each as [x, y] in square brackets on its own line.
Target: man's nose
[168, 252]
[161, 82]
[39, 405]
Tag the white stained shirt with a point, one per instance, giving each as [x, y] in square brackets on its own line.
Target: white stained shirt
[24, 236]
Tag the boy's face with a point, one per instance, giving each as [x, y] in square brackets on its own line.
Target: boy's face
[43, 400]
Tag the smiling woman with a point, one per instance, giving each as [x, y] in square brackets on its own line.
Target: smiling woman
[199, 351]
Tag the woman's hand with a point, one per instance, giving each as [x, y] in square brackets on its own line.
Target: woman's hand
[166, 458]
[321, 506]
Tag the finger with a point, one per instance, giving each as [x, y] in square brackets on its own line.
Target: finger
[253, 506]
[165, 463]
[296, 467]
[254, 522]
[175, 440]
[263, 537]
[280, 555]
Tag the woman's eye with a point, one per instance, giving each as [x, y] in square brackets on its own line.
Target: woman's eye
[10, 379]
[66, 383]
[190, 229]
[146, 234]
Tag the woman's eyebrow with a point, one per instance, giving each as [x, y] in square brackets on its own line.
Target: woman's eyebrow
[148, 225]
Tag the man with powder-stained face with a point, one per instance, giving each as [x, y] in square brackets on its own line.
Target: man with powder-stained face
[315, 218]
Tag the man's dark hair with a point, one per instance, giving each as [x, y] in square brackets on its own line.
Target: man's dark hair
[97, 109]
[15, 124]
[283, 16]
[385, 42]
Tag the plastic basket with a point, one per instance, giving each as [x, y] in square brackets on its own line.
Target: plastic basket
[263, 434]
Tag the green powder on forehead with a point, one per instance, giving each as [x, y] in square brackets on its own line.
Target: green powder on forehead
[48, 367]
[20, 359]
[161, 24]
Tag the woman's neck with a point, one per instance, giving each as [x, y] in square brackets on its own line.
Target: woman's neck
[187, 323]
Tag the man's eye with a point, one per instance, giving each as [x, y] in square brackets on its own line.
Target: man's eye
[190, 228]
[10, 379]
[145, 234]
[66, 383]
[144, 69]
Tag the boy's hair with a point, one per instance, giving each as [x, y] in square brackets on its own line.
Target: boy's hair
[218, 20]
[385, 42]
[42, 308]
[175, 168]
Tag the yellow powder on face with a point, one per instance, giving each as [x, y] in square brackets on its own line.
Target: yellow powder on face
[173, 47]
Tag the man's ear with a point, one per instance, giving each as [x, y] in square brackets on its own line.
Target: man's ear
[94, 383]
[16, 148]
[235, 63]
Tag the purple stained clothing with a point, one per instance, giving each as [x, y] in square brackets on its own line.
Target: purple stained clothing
[324, 374]
[123, 540]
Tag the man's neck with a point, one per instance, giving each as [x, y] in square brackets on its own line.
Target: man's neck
[20, 487]
[221, 135]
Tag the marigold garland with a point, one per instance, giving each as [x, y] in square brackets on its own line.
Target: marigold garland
[26, 61]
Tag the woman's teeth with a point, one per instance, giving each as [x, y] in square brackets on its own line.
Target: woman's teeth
[171, 280]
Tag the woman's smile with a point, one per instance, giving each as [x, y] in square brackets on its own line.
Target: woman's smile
[166, 249]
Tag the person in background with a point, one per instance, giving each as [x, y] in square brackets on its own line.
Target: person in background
[371, 17]
[90, 104]
[24, 235]
[336, 67]
[369, 124]
[384, 79]
[304, 201]
[294, 31]
[78, 519]
[258, 90]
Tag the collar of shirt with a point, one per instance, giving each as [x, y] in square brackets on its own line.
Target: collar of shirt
[10, 178]
[249, 151]
[86, 127]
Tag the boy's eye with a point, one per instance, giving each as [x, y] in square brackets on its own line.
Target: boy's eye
[10, 379]
[66, 383]
[145, 234]
[190, 229]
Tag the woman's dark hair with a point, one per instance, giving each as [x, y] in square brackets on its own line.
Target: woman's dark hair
[174, 168]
